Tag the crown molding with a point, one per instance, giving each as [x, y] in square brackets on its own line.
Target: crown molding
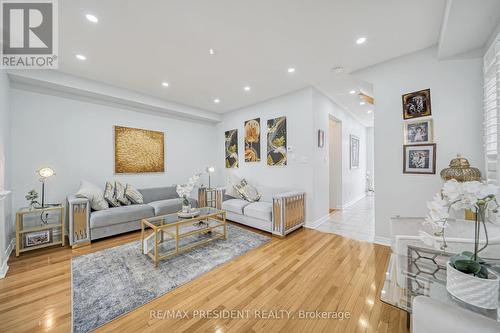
[61, 84]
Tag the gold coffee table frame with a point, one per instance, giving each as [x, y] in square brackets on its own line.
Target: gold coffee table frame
[172, 225]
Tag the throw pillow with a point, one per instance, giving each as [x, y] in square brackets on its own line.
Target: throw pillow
[120, 194]
[133, 194]
[247, 191]
[109, 195]
[231, 182]
[94, 194]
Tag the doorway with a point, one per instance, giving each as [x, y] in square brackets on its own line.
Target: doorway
[335, 165]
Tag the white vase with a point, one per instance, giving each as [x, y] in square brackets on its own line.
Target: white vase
[186, 208]
[479, 292]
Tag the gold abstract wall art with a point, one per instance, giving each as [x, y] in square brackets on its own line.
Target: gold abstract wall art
[252, 140]
[139, 150]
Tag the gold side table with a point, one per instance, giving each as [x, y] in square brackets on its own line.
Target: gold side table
[43, 229]
[207, 197]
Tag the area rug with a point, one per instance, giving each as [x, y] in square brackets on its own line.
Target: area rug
[112, 282]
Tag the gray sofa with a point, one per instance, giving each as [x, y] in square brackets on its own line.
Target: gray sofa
[116, 220]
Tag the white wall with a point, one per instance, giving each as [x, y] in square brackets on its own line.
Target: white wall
[6, 227]
[307, 111]
[300, 137]
[456, 96]
[76, 139]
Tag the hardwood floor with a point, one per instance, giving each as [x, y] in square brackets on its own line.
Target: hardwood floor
[308, 270]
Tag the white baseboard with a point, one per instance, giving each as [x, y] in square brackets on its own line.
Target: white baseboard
[352, 202]
[4, 267]
[382, 241]
[315, 224]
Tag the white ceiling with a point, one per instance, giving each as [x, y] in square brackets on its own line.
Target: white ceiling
[467, 26]
[138, 44]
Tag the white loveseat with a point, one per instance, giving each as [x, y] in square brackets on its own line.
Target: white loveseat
[278, 211]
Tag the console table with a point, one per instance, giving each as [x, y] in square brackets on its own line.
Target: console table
[424, 274]
[44, 229]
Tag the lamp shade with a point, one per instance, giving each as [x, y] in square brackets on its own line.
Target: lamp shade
[46, 172]
[210, 169]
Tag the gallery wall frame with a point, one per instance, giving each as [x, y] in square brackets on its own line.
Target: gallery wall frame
[354, 145]
[321, 138]
[420, 131]
[417, 104]
[419, 159]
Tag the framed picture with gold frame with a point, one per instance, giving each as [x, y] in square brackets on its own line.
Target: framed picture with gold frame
[418, 131]
[417, 104]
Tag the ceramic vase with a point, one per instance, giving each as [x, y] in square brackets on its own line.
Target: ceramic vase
[470, 289]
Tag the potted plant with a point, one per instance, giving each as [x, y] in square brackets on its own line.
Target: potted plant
[32, 197]
[467, 277]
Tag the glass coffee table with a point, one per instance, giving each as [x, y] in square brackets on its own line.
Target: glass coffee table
[168, 235]
[422, 271]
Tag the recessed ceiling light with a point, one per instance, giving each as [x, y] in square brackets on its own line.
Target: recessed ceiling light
[81, 57]
[338, 69]
[216, 100]
[362, 103]
[361, 40]
[352, 92]
[369, 111]
[211, 51]
[92, 18]
[247, 88]
[291, 70]
[165, 84]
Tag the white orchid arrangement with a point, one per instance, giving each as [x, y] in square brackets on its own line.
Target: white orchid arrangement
[472, 195]
[185, 190]
[454, 195]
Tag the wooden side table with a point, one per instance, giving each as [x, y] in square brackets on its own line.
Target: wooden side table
[42, 229]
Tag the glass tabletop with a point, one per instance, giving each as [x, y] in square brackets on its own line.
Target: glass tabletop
[204, 212]
[422, 271]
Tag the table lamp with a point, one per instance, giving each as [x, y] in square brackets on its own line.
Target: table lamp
[210, 169]
[44, 173]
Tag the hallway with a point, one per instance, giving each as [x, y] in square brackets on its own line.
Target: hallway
[355, 222]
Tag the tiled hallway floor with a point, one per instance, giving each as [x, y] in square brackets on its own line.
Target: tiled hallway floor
[356, 222]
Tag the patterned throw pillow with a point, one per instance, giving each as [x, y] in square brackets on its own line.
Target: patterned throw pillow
[109, 195]
[247, 191]
[133, 195]
[94, 194]
[120, 194]
[231, 182]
